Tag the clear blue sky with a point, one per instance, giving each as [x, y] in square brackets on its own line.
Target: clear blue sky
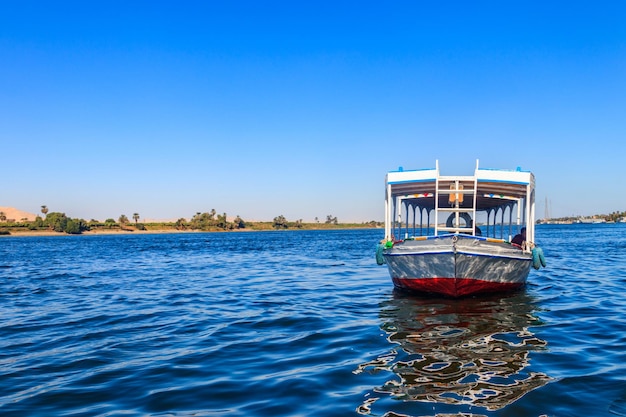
[260, 109]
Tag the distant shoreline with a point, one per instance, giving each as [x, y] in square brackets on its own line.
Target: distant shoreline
[28, 233]
[152, 231]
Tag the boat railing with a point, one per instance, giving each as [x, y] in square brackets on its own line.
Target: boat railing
[464, 230]
[456, 210]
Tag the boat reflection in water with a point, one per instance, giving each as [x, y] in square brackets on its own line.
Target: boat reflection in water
[471, 352]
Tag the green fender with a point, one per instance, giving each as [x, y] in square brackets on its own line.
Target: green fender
[539, 259]
[380, 259]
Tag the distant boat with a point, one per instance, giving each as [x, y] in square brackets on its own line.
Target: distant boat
[439, 250]
[587, 220]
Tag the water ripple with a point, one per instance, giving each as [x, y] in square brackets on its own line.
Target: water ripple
[301, 323]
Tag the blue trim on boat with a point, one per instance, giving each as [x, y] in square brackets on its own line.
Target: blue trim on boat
[504, 170]
[451, 252]
[480, 255]
[447, 252]
[413, 170]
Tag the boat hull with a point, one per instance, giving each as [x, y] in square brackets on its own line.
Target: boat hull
[457, 265]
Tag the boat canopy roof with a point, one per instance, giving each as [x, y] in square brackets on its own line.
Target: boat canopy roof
[494, 188]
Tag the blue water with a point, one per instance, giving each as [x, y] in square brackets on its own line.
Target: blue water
[302, 323]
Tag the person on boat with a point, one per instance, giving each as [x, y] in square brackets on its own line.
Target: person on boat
[519, 238]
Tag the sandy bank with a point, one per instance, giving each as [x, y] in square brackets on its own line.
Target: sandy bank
[25, 233]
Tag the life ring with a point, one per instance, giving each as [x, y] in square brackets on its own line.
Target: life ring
[465, 216]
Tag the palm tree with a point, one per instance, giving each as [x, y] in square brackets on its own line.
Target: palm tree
[239, 223]
[180, 224]
[3, 216]
[280, 222]
[135, 217]
[122, 220]
[44, 210]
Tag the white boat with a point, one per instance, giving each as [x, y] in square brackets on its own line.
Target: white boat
[437, 248]
[587, 220]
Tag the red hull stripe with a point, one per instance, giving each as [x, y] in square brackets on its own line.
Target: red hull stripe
[454, 287]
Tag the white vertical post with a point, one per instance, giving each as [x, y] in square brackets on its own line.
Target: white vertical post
[388, 213]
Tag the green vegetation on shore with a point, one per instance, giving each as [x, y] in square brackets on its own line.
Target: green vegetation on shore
[208, 221]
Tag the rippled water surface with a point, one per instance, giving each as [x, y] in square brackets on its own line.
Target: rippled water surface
[302, 323]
